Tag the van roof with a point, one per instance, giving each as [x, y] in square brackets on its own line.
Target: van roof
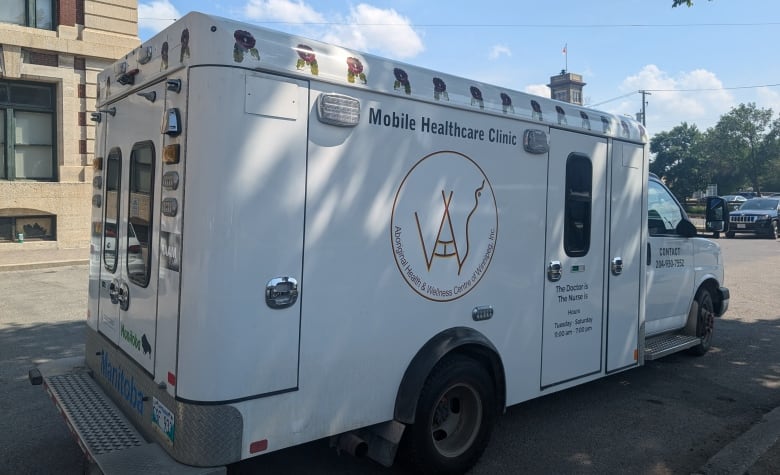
[198, 39]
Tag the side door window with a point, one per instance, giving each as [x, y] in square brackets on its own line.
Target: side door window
[663, 212]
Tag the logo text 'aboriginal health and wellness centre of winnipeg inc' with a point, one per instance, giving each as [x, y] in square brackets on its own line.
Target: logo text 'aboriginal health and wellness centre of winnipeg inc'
[444, 226]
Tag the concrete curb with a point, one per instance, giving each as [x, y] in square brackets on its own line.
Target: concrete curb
[42, 265]
[737, 457]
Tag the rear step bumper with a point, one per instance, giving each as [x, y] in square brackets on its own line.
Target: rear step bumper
[660, 346]
[105, 435]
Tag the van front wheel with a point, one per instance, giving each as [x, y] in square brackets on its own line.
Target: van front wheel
[705, 321]
[455, 416]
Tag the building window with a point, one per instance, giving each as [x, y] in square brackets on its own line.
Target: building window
[32, 13]
[28, 228]
[27, 132]
[576, 97]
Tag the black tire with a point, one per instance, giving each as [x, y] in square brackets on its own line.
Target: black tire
[455, 416]
[729, 234]
[705, 321]
[775, 231]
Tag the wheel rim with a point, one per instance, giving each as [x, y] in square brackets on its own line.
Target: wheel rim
[456, 420]
[707, 319]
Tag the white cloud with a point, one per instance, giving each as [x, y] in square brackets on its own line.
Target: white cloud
[385, 31]
[282, 10]
[364, 28]
[499, 50]
[696, 97]
[156, 15]
[768, 98]
[538, 90]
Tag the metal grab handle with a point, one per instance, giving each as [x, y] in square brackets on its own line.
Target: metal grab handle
[554, 271]
[281, 292]
[119, 293]
[113, 292]
[617, 266]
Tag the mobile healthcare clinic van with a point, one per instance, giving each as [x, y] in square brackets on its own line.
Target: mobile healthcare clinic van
[292, 241]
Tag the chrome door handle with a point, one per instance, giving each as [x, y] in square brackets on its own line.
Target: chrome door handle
[113, 292]
[281, 292]
[554, 271]
[617, 266]
[123, 295]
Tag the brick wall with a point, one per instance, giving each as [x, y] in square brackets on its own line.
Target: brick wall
[66, 12]
[70, 12]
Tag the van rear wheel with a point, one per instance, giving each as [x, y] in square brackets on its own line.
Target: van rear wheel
[705, 321]
[455, 416]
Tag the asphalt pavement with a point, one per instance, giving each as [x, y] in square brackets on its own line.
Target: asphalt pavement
[754, 452]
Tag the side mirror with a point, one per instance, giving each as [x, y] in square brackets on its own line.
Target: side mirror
[686, 229]
[717, 217]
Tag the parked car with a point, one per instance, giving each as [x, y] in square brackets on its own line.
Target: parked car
[136, 265]
[734, 201]
[758, 216]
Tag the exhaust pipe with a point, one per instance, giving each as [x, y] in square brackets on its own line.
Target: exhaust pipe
[351, 444]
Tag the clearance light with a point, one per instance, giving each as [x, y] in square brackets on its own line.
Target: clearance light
[97, 201]
[335, 109]
[171, 379]
[97, 163]
[128, 78]
[170, 181]
[258, 446]
[147, 56]
[171, 154]
[535, 141]
[97, 182]
[172, 122]
[173, 85]
[169, 207]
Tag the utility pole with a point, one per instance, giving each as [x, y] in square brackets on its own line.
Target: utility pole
[644, 103]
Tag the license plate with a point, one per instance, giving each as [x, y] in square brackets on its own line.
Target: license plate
[162, 418]
[740, 226]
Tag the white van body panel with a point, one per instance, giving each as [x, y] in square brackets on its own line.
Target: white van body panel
[322, 220]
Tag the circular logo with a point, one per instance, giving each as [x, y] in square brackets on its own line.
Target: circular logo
[444, 226]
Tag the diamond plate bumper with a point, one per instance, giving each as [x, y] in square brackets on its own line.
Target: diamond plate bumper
[103, 432]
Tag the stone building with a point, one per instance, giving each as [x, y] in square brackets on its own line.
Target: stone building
[50, 54]
[567, 87]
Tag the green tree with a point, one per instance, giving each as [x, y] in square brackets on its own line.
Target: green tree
[744, 144]
[679, 161]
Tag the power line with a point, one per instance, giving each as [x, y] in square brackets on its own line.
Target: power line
[506, 25]
[703, 89]
[713, 88]
[614, 99]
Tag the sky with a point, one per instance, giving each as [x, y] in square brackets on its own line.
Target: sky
[697, 63]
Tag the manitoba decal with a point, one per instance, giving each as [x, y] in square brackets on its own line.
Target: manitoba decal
[444, 226]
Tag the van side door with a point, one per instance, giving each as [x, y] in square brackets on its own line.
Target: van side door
[670, 266]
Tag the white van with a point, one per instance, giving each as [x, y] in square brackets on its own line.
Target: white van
[340, 245]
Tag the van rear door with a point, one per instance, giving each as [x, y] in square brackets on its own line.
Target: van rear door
[127, 305]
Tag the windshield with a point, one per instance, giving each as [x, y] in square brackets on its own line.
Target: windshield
[760, 204]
